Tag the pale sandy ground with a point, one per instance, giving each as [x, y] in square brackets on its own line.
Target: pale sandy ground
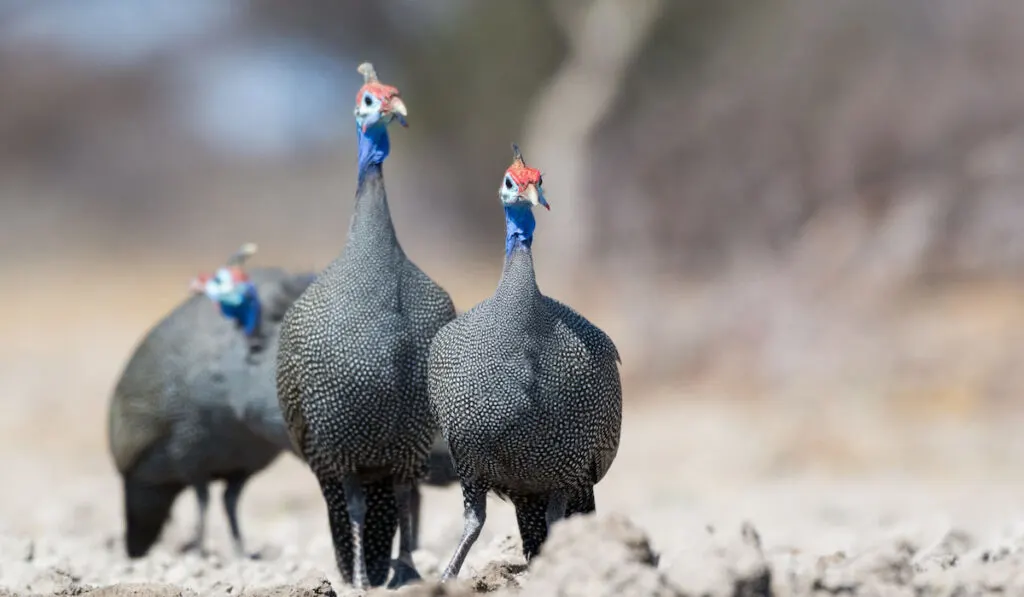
[946, 518]
[843, 501]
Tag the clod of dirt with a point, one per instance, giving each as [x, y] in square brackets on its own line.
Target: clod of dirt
[597, 555]
[310, 586]
[429, 588]
[946, 552]
[728, 565]
[50, 581]
[972, 577]
[500, 555]
[1009, 546]
[500, 575]
[140, 590]
[883, 568]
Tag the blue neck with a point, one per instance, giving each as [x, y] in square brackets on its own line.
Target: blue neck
[519, 225]
[246, 311]
[374, 146]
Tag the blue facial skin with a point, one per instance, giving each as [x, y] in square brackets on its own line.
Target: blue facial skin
[519, 225]
[374, 145]
[242, 306]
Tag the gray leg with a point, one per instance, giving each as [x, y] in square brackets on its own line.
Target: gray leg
[557, 503]
[232, 492]
[415, 508]
[355, 501]
[202, 501]
[405, 570]
[474, 502]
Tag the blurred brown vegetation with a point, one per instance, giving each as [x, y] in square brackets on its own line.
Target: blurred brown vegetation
[817, 201]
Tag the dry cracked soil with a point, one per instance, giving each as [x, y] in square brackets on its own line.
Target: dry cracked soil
[704, 499]
[708, 496]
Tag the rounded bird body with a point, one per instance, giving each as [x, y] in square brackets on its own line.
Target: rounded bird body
[356, 349]
[193, 406]
[526, 391]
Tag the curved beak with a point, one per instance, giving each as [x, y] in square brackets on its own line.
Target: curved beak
[535, 196]
[399, 111]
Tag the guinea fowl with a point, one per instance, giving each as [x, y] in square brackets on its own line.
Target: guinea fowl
[352, 369]
[526, 391]
[197, 402]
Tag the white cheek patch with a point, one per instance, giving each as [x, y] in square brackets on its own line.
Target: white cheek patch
[220, 285]
[509, 196]
[212, 288]
[364, 111]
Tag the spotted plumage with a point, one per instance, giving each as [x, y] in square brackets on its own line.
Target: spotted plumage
[526, 391]
[194, 405]
[352, 371]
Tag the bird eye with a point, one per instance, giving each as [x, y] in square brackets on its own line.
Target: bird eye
[508, 183]
[367, 100]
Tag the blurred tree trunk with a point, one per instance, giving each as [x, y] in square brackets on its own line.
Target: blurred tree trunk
[603, 38]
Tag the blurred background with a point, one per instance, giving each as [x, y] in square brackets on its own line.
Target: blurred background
[790, 208]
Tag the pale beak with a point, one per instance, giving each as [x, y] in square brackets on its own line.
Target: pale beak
[535, 196]
[399, 110]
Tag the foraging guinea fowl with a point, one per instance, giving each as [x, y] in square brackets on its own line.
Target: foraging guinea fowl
[197, 400]
[352, 369]
[526, 391]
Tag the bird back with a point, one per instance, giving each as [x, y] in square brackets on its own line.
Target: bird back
[195, 358]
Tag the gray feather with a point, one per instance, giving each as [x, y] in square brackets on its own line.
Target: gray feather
[190, 407]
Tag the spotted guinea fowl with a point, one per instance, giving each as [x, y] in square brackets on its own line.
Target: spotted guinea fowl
[526, 391]
[197, 401]
[352, 369]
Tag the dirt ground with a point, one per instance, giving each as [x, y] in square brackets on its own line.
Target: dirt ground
[708, 496]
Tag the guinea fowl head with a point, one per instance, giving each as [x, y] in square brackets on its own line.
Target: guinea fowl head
[522, 185]
[231, 289]
[522, 188]
[377, 104]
